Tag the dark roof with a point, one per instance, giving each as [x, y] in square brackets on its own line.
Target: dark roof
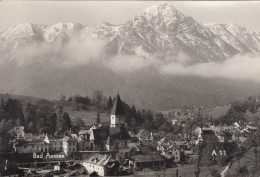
[118, 133]
[208, 132]
[148, 158]
[118, 108]
[100, 134]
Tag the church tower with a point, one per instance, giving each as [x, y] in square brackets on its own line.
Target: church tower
[117, 114]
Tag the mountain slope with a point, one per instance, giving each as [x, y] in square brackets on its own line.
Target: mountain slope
[242, 39]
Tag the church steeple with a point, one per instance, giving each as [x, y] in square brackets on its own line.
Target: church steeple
[117, 107]
[117, 113]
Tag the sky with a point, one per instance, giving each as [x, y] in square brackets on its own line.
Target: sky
[245, 13]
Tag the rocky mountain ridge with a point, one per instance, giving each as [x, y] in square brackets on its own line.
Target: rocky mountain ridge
[159, 31]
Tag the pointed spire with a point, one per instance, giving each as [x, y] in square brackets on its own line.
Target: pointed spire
[117, 107]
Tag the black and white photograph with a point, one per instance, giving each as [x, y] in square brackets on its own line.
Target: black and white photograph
[129, 88]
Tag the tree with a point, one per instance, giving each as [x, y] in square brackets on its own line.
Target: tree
[63, 120]
[98, 118]
[11, 110]
[109, 103]
[5, 128]
[97, 97]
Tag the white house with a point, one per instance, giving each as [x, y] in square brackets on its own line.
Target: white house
[97, 163]
[69, 145]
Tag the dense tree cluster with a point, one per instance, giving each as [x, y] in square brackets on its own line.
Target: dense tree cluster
[11, 115]
[11, 110]
[237, 110]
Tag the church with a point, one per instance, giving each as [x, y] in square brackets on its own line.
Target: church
[115, 136]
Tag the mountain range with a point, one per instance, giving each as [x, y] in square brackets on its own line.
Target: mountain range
[32, 56]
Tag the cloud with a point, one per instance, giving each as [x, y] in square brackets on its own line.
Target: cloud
[78, 52]
[127, 63]
[70, 53]
[238, 67]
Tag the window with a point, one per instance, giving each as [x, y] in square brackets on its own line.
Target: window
[55, 143]
[24, 146]
[69, 144]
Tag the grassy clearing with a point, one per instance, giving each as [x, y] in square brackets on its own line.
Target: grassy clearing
[89, 117]
[217, 112]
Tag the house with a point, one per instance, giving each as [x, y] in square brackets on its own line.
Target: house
[154, 161]
[101, 165]
[55, 145]
[208, 135]
[173, 154]
[23, 146]
[19, 132]
[69, 145]
[118, 138]
[145, 135]
[170, 150]
[56, 168]
[83, 142]
[98, 139]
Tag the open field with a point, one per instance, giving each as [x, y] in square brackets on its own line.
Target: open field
[217, 112]
[89, 117]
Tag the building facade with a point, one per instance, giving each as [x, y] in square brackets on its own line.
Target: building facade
[69, 145]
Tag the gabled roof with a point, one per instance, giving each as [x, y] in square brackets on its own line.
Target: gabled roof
[118, 108]
[99, 159]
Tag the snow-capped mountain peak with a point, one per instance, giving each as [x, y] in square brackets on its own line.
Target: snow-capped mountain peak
[160, 31]
[22, 30]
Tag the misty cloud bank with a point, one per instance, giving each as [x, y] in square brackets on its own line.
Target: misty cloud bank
[82, 52]
[238, 67]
